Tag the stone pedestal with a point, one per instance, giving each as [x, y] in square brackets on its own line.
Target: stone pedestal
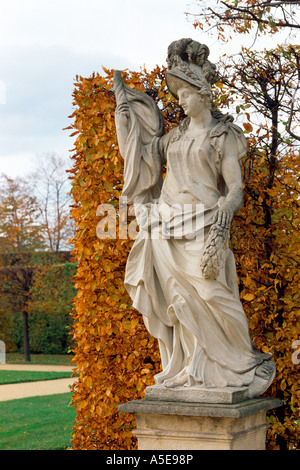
[165, 423]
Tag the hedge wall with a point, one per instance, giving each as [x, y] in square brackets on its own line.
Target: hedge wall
[115, 356]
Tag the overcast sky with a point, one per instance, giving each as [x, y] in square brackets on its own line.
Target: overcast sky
[44, 44]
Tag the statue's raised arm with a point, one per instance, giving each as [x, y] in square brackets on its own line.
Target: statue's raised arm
[138, 121]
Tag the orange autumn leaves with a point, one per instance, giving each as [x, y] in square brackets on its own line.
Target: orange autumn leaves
[114, 354]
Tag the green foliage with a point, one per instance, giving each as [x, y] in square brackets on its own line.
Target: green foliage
[48, 301]
[48, 333]
[7, 329]
[34, 258]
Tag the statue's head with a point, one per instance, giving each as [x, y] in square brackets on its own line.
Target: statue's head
[193, 100]
[188, 64]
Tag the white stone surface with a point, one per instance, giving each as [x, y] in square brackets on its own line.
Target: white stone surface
[197, 394]
[168, 432]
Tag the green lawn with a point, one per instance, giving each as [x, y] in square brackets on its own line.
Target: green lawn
[16, 376]
[52, 359]
[37, 423]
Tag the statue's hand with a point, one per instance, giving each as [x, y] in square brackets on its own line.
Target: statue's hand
[121, 119]
[122, 113]
[223, 218]
[213, 252]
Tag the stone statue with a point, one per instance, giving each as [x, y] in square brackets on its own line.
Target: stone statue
[185, 285]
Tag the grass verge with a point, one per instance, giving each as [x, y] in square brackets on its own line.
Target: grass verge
[37, 423]
[51, 359]
[14, 376]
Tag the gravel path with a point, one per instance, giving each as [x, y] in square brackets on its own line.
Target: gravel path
[33, 389]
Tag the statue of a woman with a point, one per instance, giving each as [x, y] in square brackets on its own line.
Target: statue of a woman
[185, 285]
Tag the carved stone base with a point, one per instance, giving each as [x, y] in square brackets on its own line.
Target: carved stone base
[175, 425]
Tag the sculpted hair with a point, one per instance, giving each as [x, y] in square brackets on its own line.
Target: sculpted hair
[183, 52]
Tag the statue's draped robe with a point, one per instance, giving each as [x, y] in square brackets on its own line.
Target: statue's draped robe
[200, 324]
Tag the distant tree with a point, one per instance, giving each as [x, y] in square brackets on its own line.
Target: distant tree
[34, 215]
[51, 189]
[19, 216]
[20, 232]
[25, 279]
[15, 285]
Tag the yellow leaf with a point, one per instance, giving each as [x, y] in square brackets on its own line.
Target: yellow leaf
[89, 381]
[249, 297]
[134, 322]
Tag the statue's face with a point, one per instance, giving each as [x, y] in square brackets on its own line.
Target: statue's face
[190, 100]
